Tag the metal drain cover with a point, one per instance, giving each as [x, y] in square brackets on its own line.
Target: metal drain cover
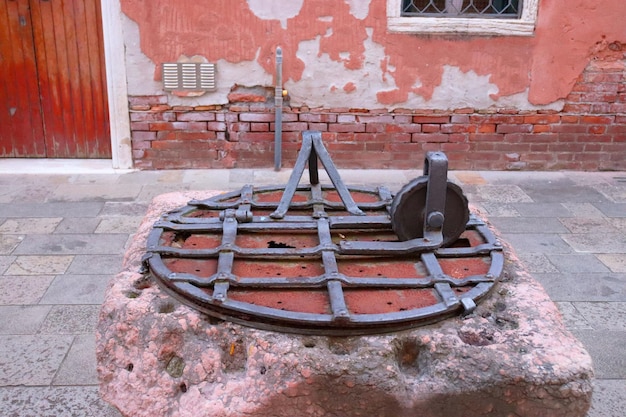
[316, 268]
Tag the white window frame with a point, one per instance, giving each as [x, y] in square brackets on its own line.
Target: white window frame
[523, 26]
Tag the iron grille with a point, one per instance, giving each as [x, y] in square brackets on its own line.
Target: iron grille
[462, 8]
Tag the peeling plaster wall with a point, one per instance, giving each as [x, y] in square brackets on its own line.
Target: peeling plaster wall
[339, 52]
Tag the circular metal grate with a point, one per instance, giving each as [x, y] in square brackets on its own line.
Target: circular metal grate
[319, 268]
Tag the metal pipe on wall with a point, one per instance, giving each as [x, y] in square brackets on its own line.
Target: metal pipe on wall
[278, 104]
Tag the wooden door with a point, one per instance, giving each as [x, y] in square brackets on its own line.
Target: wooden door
[52, 82]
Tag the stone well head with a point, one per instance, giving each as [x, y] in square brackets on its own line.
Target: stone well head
[330, 300]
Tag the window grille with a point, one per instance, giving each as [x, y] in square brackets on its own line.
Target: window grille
[501, 9]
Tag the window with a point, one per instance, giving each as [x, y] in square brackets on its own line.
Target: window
[462, 8]
[478, 17]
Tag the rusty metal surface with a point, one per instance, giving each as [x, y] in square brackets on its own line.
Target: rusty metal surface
[319, 259]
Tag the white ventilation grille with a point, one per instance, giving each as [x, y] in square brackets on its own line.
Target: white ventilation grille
[188, 76]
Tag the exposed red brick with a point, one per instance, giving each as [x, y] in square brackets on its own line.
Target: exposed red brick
[431, 119]
[139, 135]
[346, 127]
[197, 116]
[429, 137]
[257, 117]
[543, 119]
[597, 130]
[152, 117]
[517, 128]
[246, 98]
[147, 100]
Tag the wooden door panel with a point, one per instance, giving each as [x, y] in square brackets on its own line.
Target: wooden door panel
[68, 42]
[52, 80]
[21, 128]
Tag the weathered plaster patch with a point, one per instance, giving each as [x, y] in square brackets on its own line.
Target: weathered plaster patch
[276, 9]
[140, 70]
[139, 67]
[359, 8]
[245, 74]
[459, 89]
[330, 80]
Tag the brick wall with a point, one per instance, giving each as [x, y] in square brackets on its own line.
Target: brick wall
[588, 134]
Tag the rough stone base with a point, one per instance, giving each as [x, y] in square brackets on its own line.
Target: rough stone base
[512, 357]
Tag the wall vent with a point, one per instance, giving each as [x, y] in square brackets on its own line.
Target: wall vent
[188, 76]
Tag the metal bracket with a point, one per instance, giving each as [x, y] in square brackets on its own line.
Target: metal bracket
[436, 169]
[312, 150]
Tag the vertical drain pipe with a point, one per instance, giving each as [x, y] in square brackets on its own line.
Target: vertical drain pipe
[278, 104]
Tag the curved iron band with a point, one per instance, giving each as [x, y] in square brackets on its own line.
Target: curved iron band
[267, 318]
[159, 268]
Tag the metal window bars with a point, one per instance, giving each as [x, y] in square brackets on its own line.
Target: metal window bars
[510, 9]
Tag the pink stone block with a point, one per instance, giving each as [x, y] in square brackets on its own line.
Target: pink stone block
[511, 357]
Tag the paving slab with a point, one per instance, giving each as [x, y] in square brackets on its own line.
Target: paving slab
[95, 192]
[84, 244]
[8, 243]
[114, 208]
[586, 210]
[79, 366]
[607, 351]
[609, 209]
[597, 242]
[499, 210]
[214, 178]
[609, 398]
[75, 209]
[572, 318]
[584, 287]
[616, 262]
[118, 224]
[40, 265]
[501, 194]
[151, 177]
[577, 263]
[582, 225]
[537, 243]
[34, 192]
[54, 402]
[5, 262]
[542, 210]
[21, 290]
[528, 225]
[77, 225]
[94, 179]
[31, 359]
[76, 289]
[30, 226]
[618, 223]
[537, 263]
[522, 177]
[70, 319]
[22, 319]
[559, 191]
[95, 264]
[614, 192]
[604, 315]
[150, 191]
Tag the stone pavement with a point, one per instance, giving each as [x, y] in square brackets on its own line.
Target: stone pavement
[62, 237]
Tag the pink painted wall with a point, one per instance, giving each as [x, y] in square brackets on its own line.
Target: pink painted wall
[542, 68]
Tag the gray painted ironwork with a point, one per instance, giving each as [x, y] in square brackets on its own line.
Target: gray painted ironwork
[502, 9]
[325, 218]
